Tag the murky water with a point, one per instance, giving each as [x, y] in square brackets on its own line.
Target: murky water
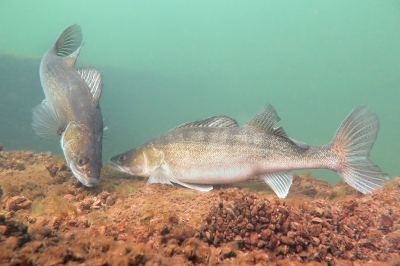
[166, 63]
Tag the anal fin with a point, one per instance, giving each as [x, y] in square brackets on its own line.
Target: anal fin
[280, 182]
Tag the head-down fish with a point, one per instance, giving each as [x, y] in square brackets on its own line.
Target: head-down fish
[217, 151]
[71, 106]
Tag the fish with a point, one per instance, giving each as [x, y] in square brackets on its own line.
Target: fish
[71, 107]
[216, 150]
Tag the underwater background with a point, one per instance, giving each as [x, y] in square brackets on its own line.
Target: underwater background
[165, 63]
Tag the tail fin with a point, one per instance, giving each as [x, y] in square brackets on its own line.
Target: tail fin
[69, 44]
[352, 144]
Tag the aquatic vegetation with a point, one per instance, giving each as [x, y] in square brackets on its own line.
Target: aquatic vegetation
[95, 217]
[255, 185]
[59, 159]
[60, 190]
[9, 189]
[126, 190]
[13, 165]
[172, 218]
[63, 207]
[189, 194]
[32, 190]
[71, 223]
[18, 166]
[37, 208]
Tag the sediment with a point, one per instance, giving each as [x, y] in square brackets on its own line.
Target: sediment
[48, 218]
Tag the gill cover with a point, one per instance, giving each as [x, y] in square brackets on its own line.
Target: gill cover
[73, 131]
[152, 158]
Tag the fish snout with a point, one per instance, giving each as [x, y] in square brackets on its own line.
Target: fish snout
[117, 167]
[121, 168]
[91, 182]
[113, 165]
[87, 177]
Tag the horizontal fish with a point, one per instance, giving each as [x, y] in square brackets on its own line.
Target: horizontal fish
[71, 106]
[217, 151]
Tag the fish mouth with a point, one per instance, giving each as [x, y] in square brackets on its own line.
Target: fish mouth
[85, 180]
[115, 166]
[91, 183]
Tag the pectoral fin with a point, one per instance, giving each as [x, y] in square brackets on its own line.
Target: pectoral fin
[159, 176]
[280, 182]
[163, 175]
[47, 121]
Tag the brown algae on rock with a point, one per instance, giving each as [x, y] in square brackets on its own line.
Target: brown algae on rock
[48, 217]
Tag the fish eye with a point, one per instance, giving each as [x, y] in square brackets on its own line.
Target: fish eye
[81, 161]
[122, 158]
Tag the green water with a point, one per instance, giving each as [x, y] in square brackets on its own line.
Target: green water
[169, 62]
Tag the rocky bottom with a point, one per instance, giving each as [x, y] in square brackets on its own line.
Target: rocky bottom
[48, 218]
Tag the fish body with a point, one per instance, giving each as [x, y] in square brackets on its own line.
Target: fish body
[71, 106]
[229, 155]
[217, 151]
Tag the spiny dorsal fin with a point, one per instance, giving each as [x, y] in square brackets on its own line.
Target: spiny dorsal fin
[69, 43]
[214, 121]
[266, 119]
[93, 78]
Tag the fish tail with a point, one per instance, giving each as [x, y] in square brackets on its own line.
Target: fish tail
[352, 145]
[69, 41]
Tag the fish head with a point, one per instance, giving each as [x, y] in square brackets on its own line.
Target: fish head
[82, 151]
[141, 161]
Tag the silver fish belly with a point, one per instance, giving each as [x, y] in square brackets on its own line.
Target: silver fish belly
[71, 106]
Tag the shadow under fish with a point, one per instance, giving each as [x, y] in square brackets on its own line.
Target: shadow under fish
[71, 106]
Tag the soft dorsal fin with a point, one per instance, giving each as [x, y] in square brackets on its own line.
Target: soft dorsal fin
[69, 43]
[300, 144]
[214, 121]
[266, 119]
[94, 79]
